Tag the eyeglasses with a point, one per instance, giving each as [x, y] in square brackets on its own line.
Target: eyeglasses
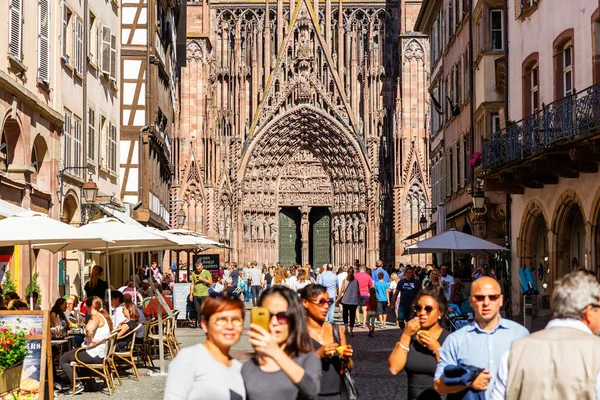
[323, 302]
[223, 321]
[281, 317]
[481, 297]
[418, 308]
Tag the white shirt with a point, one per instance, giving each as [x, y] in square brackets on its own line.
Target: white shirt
[499, 389]
[341, 278]
[448, 282]
[117, 315]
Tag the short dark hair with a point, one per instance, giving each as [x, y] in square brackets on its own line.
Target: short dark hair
[311, 291]
[115, 294]
[12, 296]
[298, 340]
[380, 275]
[438, 295]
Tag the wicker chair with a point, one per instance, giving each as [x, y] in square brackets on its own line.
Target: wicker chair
[102, 369]
[142, 349]
[120, 358]
[154, 337]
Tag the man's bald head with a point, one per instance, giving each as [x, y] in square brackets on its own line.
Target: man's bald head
[484, 281]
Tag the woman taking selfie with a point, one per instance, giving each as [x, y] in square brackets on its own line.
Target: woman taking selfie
[316, 303]
[284, 366]
[205, 370]
[418, 350]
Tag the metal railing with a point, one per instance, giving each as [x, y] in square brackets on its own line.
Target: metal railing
[567, 120]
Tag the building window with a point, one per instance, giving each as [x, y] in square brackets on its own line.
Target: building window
[496, 36]
[77, 149]
[112, 148]
[91, 136]
[66, 22]
[16, 30]
[567, 69]
[66, 143]
[495, 119]
[531, 96]
[102, 157]
[79, 46]
[564, 70]
[43, 41]
[92, 39]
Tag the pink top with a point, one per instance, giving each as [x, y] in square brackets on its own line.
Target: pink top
[364, 282]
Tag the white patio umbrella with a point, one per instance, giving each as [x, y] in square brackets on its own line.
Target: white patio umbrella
[453, 240]
[37, 229]
[203, 242]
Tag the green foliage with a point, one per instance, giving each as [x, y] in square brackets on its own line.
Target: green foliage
[13, 348]
[9, 285]
[35, 287]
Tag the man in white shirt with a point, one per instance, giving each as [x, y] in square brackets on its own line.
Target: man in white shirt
[561, 361]
[447, 281]
[117, 315]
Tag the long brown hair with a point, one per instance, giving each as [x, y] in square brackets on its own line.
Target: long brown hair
[95, 276]
[97, 305]
[350, 276]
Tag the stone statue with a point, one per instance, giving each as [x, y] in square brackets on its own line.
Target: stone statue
[349, 230]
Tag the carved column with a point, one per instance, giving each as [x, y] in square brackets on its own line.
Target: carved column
[305, 232]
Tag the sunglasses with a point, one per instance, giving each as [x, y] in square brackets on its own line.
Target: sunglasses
[323, 302]
[481, 297]
[418, 308]
[223, 321]
[281, 317]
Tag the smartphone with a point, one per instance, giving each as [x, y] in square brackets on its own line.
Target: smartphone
[261, 316]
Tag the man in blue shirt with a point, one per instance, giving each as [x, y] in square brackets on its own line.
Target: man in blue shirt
[375, 273]
[330, 281]
[481, 343]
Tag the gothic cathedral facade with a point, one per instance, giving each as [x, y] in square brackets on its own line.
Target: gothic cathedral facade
[301, 134]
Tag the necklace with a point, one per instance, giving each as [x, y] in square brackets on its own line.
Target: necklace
[320, 336]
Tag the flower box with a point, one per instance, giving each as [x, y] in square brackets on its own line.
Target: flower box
[10, 379]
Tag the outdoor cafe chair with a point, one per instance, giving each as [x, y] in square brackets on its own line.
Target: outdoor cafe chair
[121, 358]
[143, 348]
[153, 336]
[102, 369]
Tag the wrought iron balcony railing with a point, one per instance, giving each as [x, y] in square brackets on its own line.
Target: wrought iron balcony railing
[567, 120]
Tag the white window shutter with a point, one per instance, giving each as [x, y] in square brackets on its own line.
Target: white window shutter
[65, 26]
[113, 57]
[16, 29]
[79, 46]
[105, 67]
[43, 41]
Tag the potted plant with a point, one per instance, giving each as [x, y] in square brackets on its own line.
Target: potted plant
[476, 159]
[13, 349]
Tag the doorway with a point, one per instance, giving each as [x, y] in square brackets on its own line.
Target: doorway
[319, 246]
[289, 236]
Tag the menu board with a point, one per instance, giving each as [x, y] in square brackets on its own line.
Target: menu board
[181, 294]
[210, 262]
[36, 376]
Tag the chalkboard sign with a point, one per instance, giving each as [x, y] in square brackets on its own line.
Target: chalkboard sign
[181, 294]
[209, 261]
[36, 379]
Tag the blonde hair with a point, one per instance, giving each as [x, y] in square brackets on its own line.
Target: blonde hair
[97, 305]
[95, 275]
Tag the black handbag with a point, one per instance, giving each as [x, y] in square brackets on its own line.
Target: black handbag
[348, 389]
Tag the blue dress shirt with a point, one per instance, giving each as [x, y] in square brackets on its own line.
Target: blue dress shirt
[386, 276]
[330, 281]
[474, 346]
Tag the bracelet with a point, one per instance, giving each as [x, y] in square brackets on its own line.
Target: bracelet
[406, 349]
[436, 350]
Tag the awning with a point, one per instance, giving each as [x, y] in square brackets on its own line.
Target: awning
[9, 209]
[120, 215]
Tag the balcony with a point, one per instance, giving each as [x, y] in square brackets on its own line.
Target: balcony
[560, 140]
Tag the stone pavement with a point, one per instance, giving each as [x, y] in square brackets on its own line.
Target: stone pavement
[370, 372]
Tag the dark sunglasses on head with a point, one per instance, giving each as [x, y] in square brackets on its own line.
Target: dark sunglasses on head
[418, 308]
[281, 317]
[323, 302]
[481, 297]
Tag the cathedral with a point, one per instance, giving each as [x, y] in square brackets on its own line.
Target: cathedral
[301, 129]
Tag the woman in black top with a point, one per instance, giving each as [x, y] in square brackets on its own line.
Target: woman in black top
[96, 286]
[316, 302]
[418, 350]
[132, 319]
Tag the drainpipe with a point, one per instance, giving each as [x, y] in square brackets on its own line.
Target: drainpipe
[508, 199]
[471, 94]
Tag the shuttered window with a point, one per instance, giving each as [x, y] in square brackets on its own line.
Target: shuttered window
[16, 29]
[105, 68]
[66, 144]
[66, 16]
[77, 149]
[461, 163]
[43, 41]
[79, 46]
[113, 57]
[112, 148]
[91, 135]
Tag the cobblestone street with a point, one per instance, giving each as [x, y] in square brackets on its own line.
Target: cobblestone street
[370, 372]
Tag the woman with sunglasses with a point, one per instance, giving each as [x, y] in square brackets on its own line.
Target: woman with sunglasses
[206, 370]
[316, 303]
[418, 350]
[284, 365]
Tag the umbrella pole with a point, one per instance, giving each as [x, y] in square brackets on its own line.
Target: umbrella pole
[452, 259]
[161, 346]
[108, 276]
[30, 277]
